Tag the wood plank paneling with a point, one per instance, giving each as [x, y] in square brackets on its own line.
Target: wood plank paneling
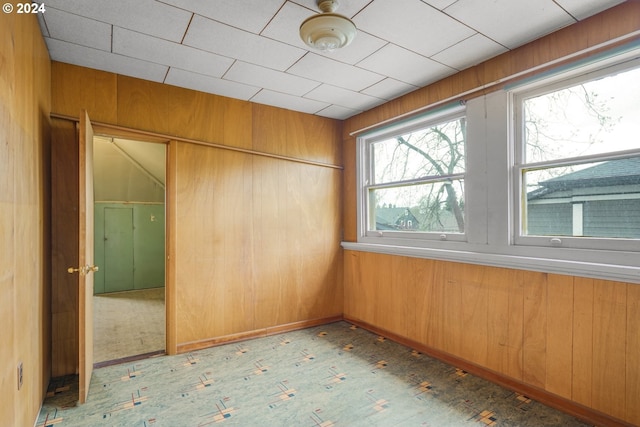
[632, 365]
[473, 312]
[515, 351]
[247, 234]
[238, 119]
[25, 103]
[352, 299]
[497, 312]
[269, 134]
[559, 357]
[583, 294]
[421, 290]
[534, 344]
[349, 210]
[143, 105]
[436, 326]
[75, 88]
[196, 115]
[571, 337]
[269, 186]
[609, 347]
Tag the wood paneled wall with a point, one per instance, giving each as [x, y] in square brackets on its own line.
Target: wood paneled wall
[24, 224]
[257, 243]
[572, 337]
[254, 240]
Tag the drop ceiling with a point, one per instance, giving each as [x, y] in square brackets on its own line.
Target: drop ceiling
[251, 49]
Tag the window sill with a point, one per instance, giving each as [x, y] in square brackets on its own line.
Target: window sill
[623, 273]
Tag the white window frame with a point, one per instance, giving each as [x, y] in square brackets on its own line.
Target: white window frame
[520, 166]
[363, 167]
[492, 192]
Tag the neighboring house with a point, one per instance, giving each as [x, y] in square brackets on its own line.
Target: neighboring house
[394, 218]
[599, 201]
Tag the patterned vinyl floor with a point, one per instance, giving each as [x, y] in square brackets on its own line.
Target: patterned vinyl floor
[330, 375]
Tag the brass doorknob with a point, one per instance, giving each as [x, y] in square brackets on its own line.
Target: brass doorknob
[83, 270]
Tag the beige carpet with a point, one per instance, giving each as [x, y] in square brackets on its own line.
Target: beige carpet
[128, 324]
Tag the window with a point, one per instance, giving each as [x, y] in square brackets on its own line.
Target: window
[413, 178]
[577, 162]
[543, 175]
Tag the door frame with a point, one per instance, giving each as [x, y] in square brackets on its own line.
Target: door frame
[115, 131]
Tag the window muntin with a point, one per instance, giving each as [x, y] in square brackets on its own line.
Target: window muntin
[439, 207]
[577, 161]
[414, 183]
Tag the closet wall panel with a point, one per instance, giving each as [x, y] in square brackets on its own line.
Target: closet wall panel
[254, 234]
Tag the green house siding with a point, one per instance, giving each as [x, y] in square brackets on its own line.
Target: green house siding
[620, 218]
[554, 219]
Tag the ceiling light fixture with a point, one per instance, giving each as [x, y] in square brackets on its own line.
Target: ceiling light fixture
[327, 31]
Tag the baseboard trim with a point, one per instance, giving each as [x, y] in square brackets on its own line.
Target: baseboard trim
[563, 404]
[128, 359]
[257, 333]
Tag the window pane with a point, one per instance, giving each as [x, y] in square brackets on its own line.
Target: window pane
[599, 199]
[432, 207]
[434, 151]
[595, 117]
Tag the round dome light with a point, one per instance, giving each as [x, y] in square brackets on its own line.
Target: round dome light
[327, 31]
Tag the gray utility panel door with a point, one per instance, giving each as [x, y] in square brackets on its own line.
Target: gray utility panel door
[118, 249]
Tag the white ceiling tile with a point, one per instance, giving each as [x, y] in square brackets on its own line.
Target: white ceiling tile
[389, 89]
[362, 46]
[343, 97]
[504, 20]
[337, 112]
[100, 60]
[440, 4]
[285, 27]
[270, 79]
[224, 40]
[581, 9]
[288, 102]
[145, 16]
[322, 69]
[77, 29]
[43, 26]
[347, 8]
[468, 52]
[202, 83]
[137, 45]
[234, 12]
[404, 65]
[412, 24]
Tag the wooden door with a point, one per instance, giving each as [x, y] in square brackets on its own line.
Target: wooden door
[85, 245]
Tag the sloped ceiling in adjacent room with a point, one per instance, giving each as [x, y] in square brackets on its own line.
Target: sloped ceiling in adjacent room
[128, 171]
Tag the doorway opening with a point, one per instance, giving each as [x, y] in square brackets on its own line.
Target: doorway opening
[129, 247]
